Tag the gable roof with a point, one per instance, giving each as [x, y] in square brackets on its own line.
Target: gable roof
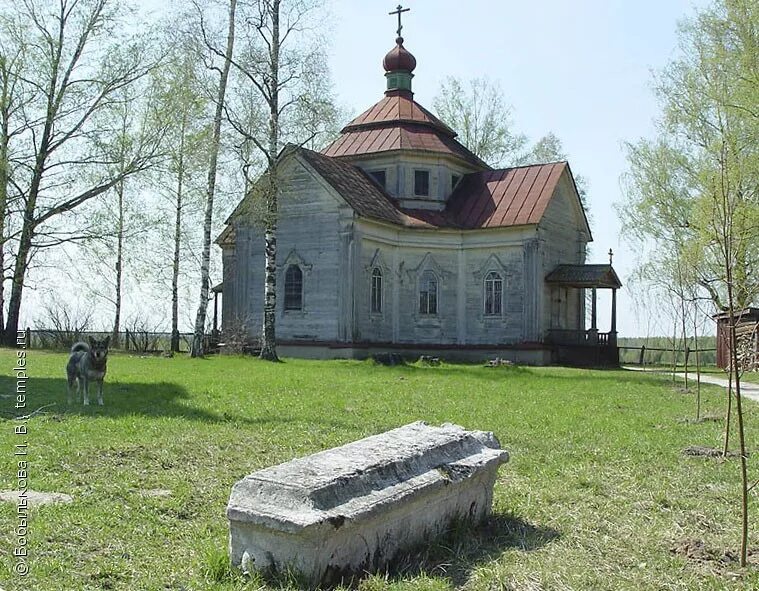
[397, 122]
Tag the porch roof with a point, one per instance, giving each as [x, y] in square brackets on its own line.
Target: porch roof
[585, 276]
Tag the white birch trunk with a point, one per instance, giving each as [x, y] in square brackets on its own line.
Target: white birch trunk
[200, 319]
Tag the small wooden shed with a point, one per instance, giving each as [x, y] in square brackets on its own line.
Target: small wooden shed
[747, 329]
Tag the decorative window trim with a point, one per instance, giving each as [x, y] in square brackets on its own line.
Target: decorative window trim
[294, 259]
[427, 275]
[493, 264]
[495, 277]
[413, 276]
[301, 278]
[376, 273]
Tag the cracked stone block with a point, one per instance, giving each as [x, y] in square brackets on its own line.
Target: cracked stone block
[352, 509]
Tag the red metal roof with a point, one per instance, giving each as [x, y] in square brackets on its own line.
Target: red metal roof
[397, 122]
[486, 199]
[508, 197]
[398, 106]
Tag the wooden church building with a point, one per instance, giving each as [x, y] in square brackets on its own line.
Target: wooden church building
[396, 237]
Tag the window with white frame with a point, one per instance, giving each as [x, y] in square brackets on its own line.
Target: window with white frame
[493, 294]
[376, 306]
[428, 294]
[293, 288]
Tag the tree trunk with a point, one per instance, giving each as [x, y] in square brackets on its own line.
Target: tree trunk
[268, 337]
[268, 340]
[685, 337]
[674, 351]
[4, 174]
[728, 412]
[735, 369]
[698, 365]
[177, 239]
[24, 249]
[119, 264]
[200, 319]
[30, 223]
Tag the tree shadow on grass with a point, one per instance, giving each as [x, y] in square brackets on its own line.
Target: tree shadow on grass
[157, 399]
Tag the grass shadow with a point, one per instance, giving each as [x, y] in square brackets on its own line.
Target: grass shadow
[464, 547]
[157, 399]
[452, 556]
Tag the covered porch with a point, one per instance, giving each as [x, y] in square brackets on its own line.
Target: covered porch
[586, 347]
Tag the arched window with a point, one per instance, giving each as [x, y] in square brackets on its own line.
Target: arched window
[493, 294]
[428, 293]
[293, 288]
[376, 291]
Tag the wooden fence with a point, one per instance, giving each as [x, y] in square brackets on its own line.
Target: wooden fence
[128, 340]
[662, 356]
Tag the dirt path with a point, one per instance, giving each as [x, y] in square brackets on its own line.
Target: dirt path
[748, 389]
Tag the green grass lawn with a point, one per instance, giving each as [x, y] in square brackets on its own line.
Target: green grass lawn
[596, 496]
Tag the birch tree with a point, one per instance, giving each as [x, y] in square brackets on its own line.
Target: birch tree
[709, 127]
[196, 349]
[76, 59]
[184, 105]
[283, 60]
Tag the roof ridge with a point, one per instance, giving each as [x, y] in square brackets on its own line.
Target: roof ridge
[507, 168]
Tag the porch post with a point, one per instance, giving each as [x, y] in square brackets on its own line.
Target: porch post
[215, 311]
[613, 334]
[593, 317]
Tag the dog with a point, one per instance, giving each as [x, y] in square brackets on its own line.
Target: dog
[87, 363]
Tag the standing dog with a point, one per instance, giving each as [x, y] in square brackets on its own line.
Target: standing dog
[87, 363]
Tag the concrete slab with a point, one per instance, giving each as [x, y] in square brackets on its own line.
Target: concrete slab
[353, 508]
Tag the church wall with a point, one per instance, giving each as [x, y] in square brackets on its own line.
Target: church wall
[460, 263]
[229, 303]
[310, 234]
[507, 327]
[563, 242]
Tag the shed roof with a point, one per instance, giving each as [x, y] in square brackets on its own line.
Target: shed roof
[747, 314]
[585, 276]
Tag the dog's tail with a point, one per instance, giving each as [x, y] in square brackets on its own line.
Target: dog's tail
[80, 346]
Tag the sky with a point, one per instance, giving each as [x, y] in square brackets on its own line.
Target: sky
[581, 69]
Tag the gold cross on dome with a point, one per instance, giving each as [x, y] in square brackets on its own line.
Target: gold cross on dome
[400, 10]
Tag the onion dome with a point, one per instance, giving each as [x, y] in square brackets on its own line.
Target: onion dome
[399, 58]
[399, 65]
